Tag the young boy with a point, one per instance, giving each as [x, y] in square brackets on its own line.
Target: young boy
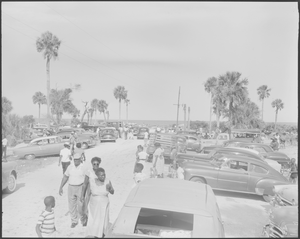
[45, 226]
[138, 175]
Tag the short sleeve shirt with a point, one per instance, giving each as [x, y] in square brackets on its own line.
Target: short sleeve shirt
[142, 155]
[4, 142]
[76, 174]
[46, 220]
[146, 135]
[65, 153]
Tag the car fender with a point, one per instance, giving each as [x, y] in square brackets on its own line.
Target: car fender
[265, 186]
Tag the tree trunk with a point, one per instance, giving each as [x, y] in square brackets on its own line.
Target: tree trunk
[48, 89]
[104, 116]
[211, 97]
[218, 116]
[127, 113]
[119, 110]
[83, 115]
[39, 112]
[262, 110]
[275, 119]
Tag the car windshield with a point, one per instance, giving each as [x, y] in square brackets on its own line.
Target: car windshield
[107, 131]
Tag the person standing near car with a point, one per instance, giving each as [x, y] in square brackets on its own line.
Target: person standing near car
[158, 161]
[75, 176]
[146, 136]
[4, 147]
[80, 151]
[72, 141]
[65, 157]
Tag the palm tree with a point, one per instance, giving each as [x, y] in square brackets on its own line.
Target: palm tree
[102, 107]
[40, 99]
[120, 94]
[210, 85]
[94, 107]
[127, 102]
[263, 92]
[278, 104]
[6, 106]
[49, 45]
[234, 91]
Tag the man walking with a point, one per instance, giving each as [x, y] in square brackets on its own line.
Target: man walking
[65, 157]
[4, 147]
[72, 141]
[146, 136]
[75, 175]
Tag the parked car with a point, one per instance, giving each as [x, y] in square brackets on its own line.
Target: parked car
[9, 176]
[108, 134]
[188, 132]
[43, 146]
[283, 222]
[285, 195]
[141, 132]
[193, 143]
[264, 149]
[169, 208]
[235, 173]
[86, 139]
[219, 150]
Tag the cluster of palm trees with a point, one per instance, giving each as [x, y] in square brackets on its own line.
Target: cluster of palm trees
[229, 99]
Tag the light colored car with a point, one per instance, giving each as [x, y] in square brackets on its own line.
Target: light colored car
[193, 143]
[9, 176]
[43, 146]
[169, 208]
[285, 195]
[86, 139]
[235, 173]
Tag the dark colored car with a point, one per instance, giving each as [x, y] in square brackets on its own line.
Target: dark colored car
[283, 222]
[265, 150]
[169, 208]
[9, 176]
[108, 134]
[235, 173]
[193, 143]
[141, 132]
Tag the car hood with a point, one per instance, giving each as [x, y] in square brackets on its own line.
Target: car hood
[287, 192]
[284, 215]
[277, 155]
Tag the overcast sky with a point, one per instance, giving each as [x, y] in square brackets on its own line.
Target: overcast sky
[151, 48]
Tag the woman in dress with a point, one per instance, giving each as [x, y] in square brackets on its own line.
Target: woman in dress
[158, 161]
[86, 192]
[97, 225]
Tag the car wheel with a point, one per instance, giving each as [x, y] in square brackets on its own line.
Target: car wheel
[29, 156]
[12, 184]
[267, 198]
[85, 145]
[198, 180]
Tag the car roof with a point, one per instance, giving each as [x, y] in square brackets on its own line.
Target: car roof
[109, 128]
[46, 137]
[173, 195]
[238, 149]
[249, 143]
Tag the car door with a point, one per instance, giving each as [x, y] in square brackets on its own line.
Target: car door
[234, 176]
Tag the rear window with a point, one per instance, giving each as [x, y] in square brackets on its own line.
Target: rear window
[162, 223]
[143, 130]
[107, 131]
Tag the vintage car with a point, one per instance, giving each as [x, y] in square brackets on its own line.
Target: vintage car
[193, 143]
[169, 208]
[135, 130]
[188, 132]
[235, 173]
[208, 149]
[86, 139]
[141, 132]
[223, 151]
[43, 146]
[285, 195]
[9, 176]
[108, 134]
[265, 150]
[283, 222]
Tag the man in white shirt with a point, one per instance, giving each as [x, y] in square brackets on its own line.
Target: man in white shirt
[75, 175]
[65, 157]
[146, 136]
[4, 146]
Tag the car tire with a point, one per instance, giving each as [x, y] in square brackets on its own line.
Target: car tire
[85, 145]
[12, 184]
[198, 180]
[29, 156]
[267, 198]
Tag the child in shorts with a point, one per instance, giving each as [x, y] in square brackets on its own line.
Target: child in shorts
[45, 226]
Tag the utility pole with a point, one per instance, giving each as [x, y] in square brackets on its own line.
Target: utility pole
[184, 109]
[189, 118]
[177, 110]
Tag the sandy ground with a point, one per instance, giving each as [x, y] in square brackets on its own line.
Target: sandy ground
[243, 215]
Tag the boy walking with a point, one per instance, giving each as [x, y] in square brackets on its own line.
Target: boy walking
[45, 226]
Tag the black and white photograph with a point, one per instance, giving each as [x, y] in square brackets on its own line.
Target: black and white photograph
[149, 119]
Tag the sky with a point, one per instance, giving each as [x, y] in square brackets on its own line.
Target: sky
[152, 49]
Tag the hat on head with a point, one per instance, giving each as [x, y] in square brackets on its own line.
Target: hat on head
[77, 156]
[66, 144]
